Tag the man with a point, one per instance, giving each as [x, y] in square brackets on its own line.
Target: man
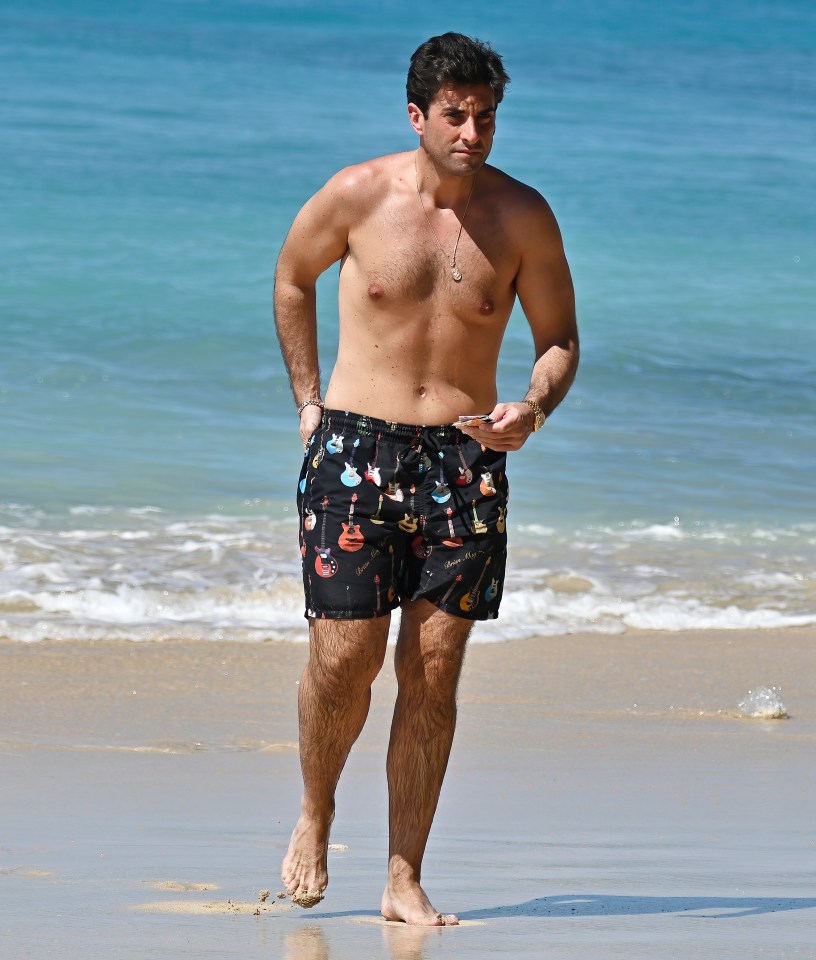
[434, 246]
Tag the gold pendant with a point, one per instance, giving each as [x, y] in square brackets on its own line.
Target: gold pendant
[456, 274]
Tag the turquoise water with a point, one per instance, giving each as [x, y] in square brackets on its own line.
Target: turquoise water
[154, 155]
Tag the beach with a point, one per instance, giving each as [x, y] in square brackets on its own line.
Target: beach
[606, 797]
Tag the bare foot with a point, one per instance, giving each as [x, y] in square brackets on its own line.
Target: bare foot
[405, 900]
[304, 871]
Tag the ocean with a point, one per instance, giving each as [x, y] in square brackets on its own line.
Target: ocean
[154, 154]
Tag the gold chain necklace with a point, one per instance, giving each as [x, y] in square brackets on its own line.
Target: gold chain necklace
[456, 273]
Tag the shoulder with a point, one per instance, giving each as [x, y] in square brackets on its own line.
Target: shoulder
[366, 183]
[524, 212]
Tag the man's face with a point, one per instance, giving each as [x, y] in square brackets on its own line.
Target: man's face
[458, 132]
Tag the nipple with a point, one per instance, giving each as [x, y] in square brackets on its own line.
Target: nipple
[375, 291]
[487, 307]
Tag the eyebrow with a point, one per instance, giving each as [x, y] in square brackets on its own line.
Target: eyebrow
[455, 111]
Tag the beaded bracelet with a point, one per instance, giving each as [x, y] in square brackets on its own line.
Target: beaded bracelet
[310, 403]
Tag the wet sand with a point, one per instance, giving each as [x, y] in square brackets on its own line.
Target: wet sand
[605, 799]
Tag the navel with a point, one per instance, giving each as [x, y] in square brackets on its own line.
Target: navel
[487, 307]
[375, 291]
[422, 391]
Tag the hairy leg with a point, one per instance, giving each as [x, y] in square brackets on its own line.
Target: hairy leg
[335, 692]
[430, 652]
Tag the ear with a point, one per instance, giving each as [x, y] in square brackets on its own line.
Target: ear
[416, 118]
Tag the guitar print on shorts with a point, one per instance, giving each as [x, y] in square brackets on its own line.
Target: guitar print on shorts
[451, 588]
[452, 540]
[372, 473]
[470, 599]
[335, 445]
[486, 484]
[377, 518]
[351, 539]
[465, 473]
[325, 564]
[349, 476]
[479, 526]
[408, 524]
[492, 590]
[442, 491]
[307, 451]
[394, 490]
[318, 457]
[419, 545]
[310, 519]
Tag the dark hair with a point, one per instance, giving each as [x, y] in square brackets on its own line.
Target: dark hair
[453, 58]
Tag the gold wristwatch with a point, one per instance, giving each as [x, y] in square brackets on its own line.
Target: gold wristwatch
[540, 416]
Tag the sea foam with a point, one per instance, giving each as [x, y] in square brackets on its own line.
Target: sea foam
[145, 575]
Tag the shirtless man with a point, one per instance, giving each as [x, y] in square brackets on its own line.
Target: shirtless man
[434, 247]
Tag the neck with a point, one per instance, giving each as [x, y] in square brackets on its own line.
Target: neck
[445, 190]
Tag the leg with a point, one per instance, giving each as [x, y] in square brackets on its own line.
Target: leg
[335, 692]
[430, 652]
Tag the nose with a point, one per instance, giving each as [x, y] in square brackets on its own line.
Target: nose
[470, 131]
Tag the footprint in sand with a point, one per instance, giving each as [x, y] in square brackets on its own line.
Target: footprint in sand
[208, 907]
[178, 886]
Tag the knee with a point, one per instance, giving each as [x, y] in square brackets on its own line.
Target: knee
[348, 659]
[433, 674]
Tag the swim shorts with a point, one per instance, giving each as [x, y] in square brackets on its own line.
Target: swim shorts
[392, 512]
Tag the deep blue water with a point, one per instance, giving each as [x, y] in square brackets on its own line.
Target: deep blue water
[155, 153]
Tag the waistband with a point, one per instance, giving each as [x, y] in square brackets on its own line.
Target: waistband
[341, 421]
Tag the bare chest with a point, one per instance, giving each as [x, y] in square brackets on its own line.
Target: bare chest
[397, 257]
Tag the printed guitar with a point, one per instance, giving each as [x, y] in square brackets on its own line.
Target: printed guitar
[325, 564]
[479, 526]
[486, 485]
[372, 474]
[451, 588]
[452, 540]
[376, 518]
[442, 491]
[351, 539]
[349, 476]
[470, 599]
[419, 545]
[409, 522]
[335, 445]
[465, 473]
[318, 457]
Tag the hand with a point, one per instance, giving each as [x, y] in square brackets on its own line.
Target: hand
[512, 424]
[310, 418]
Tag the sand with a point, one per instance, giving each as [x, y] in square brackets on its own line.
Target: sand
[605, 799]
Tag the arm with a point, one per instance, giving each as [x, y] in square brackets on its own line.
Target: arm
[317, 239]
[545, 291]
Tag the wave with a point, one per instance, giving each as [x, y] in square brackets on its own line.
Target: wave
[143, 574]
